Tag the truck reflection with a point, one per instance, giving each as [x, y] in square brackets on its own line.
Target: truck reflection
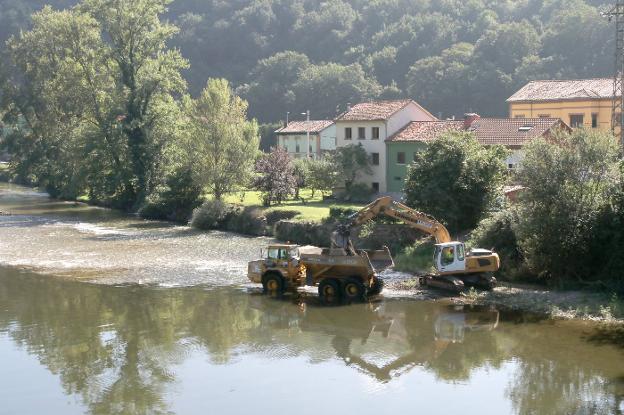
[385, 339]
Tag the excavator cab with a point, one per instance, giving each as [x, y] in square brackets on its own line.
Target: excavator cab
[450, 257]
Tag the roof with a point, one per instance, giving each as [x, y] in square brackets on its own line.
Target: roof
[302, 127]
[558, 90]
[511, 132]
[374, 110]
[425, 130]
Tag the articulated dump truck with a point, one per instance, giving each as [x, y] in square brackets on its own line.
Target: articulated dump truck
[338, 273]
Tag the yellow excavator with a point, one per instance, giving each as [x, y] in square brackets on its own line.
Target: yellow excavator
[455, 268]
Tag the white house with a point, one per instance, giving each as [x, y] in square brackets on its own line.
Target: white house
[369, 124]
[294, 138]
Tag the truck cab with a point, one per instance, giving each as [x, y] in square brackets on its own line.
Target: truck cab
[279, 259]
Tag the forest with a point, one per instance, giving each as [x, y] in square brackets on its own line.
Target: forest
[451, 56]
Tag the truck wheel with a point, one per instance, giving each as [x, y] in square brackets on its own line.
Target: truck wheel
[329, 290]
[353, 290]
[377, 286]
[273, 283]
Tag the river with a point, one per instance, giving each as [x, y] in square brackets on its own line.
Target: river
[108, 314]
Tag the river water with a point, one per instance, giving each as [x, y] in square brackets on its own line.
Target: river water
[105, 314]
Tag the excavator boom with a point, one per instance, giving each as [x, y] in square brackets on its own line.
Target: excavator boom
[391, 208]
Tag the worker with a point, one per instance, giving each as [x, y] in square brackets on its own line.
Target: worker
[449, 255]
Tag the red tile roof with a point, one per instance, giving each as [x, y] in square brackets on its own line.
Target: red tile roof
[302, 127]
[425, 130]
[373, 111]
[512, 132]
[559, 90]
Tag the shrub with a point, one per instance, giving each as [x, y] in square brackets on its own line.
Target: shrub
[340, 213]
[274, 216]
[358, 193]
[417, 258]
[303, 233]
[175, 201]
[497, 232]
[248, 221]
[212, 214]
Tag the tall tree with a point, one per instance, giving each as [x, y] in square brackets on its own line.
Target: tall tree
[222, 144]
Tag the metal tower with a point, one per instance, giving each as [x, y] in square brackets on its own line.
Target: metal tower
[617, 110]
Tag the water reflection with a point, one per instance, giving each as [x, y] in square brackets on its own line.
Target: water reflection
[121, 348]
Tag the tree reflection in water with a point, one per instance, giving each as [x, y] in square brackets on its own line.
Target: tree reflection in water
[117, 347]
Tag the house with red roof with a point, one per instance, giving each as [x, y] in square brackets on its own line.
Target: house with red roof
[370, 124]
[294, 138]
[513, 133]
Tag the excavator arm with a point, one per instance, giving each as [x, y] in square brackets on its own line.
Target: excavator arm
[391, 208]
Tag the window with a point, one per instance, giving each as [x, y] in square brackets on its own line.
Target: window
[510, 165]
[544, 115]
[375, 186]
[594, 120]
[460, 252]
[361, 133]
[375, 133]
[375, 159]
[348, 133]
[273, 253]
[297, 148]
[398, 178]
[400, 157]
[576, 120]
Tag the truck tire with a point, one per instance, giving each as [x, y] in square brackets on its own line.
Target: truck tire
[329, 290]
[353, 289]
[377, 287]
[273, 283]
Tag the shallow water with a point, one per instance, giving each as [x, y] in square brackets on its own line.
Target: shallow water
[214, 344]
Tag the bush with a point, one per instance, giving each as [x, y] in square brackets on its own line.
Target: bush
[303, 233]
[175, 201]
[212, 214]
[339, 213]
[358, 193]
[215, 214]
[417, 258]
[274, 216]
[497, 232]
[248, 221]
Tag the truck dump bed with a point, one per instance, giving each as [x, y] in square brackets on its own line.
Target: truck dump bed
[338, 263]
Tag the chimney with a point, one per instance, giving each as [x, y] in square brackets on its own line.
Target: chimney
[469, 119]
[348, 106]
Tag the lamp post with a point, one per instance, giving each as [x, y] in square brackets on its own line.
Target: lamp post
[307, 114]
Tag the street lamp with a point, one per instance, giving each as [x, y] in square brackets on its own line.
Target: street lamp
[307, 114]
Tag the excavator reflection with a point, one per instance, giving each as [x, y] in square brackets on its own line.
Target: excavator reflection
[387, 339]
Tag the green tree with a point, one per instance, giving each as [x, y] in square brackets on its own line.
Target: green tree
[352, 162]
[222, 144]
[322, 175]
[570, 181]
[456, 179]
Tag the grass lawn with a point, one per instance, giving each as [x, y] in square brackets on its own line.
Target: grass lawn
[314, 209]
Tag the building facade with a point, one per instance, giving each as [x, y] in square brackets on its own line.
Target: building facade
[579, 103]
[370, 124]
[513, 134]
[294, 138]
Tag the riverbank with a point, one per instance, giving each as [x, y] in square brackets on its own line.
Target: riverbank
[555, 304]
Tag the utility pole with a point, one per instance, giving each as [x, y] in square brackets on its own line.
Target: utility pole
[617, 105]
[307, 114]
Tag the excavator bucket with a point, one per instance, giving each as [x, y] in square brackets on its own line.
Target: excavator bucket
[381, 259]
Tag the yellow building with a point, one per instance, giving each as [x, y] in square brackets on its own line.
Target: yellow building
[583, 102]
